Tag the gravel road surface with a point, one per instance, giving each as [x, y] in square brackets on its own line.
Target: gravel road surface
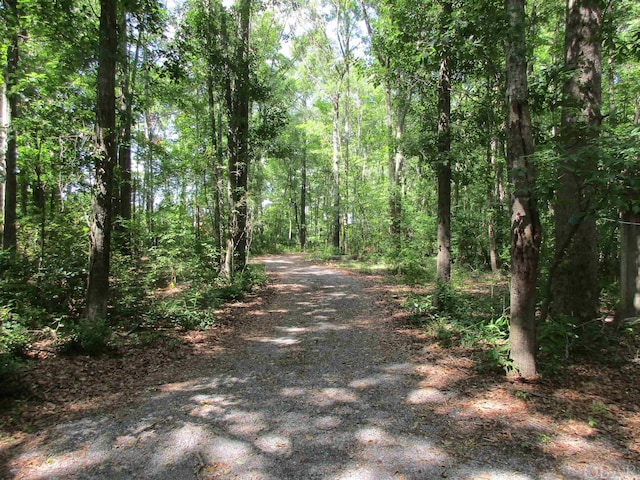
[313, 388]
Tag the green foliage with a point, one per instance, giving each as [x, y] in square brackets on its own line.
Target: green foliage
[87, 337]
[414, 267]
[556, 338]
[455, 318]
[14, 341]
[563, 340]
[46, 282]
[181, 312]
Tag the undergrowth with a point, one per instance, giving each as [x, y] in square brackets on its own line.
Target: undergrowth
[455, 317]
[168, 288]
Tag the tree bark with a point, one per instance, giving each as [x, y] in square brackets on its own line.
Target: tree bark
[443, 167]
[335, 165]
[105, 161]
[525, 223]
[215, 166]
[302, 232]
[9, 240]
[491, 162]
[630, 252]
[149, 185]
[4, 125]
[124, 152]
[629, 266]
[576, 287]
[215, 133]
[238, 93]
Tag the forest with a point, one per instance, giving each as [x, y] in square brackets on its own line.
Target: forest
[149, 147]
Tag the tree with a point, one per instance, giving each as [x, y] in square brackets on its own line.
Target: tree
[237, 94]
[396, 82]
[4, 125]
[105, 161]
[629, 265]
[127, 88]
[525, 223]
[576, 286]
[9, 241]
[443, 164]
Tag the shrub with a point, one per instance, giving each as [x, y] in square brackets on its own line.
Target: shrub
[87, 337]
[14, 340]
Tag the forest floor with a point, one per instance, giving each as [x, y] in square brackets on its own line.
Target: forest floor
[319, 375]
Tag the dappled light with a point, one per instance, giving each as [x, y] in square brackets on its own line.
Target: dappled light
[310, 392]
[248, 240]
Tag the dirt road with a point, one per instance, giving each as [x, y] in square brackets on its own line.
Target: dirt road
[315, 387]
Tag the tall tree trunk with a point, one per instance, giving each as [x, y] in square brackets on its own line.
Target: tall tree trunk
[215, 166]
[491, 180]
[630, 252]
[124, 151]
[335, 165]
[149, 187]
[443, 167]
[215, 127]
[302, 233]
[105, 161]
[9, 240]
[238, 93]
[525, 223]
[4, 125]
[347, 145]
[629, 265]
[394, 153]
[576, 288]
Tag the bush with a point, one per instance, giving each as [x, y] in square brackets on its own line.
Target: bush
[87, 337]
[455, 320]
[14, 340]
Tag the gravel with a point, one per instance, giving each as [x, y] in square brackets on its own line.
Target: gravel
[313, 388]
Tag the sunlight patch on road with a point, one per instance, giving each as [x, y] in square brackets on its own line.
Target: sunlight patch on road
[318, 311]
[245, 423]
[395, 456]
[491, 407]
[373, 381]
[293, 330]
[289, 287]
[386, 456]
[228, 450]
[189, 386]
[276, 261]
[372, 435]
[178, 444]
[327, 326]
[275, 444]
[359, 472]
[329, 396]
[209, 405]
[422, 396]
[280, 341]
[62, 466]
[327, 422]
